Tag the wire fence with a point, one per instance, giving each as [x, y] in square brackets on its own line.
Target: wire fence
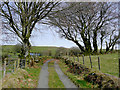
[10, 65]
[78, 58]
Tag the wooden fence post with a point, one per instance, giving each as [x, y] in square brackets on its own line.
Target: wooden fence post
[30, 61]
[119, 67]
[83, 59]
[78, 58]
[4, 68]
[99, 63]
[90, 60]
[73, 58]
[18, 63]
[26, 62]
[69, 57]
[15, 65]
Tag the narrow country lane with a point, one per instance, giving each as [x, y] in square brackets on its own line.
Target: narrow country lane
[43, 78]
[67, 82]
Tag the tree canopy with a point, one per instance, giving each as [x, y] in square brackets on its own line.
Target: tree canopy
[85, 23]
[21, 17]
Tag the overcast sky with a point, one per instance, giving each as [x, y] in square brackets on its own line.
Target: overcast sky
[46, 36]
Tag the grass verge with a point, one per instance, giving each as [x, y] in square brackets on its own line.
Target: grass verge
[33, 73]
[77, 79]
[22, 78]
[54, 81]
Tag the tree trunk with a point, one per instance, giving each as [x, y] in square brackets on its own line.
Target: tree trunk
[87, 43]
[89, 46]
[25, 50]
[81, 47]
[101, 44]
[95, 42]
[107, 47]
[112, 47]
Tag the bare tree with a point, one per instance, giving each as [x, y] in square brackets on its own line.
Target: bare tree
[63, 21]
[107, 17]
[82, 22]
[21, 17]
[112, 40]
[103, 36]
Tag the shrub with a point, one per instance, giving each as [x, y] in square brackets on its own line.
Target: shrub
[102, 80]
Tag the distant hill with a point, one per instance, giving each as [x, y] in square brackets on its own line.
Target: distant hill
[34, 49]
[44, 49]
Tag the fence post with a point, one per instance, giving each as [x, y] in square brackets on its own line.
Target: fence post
[26, 62]
[73, 58]
[15, 65]
[18, 63]
[30, 61]
[69, 57]
[119, 67]
[78, 57]
[99, 63]
[83, 59]
[90, 60]
[4, 67]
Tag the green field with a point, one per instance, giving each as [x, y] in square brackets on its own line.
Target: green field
[9, 49]
[44, 49]
[108, 63]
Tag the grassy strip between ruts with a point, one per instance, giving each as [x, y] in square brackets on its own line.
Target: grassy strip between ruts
[77, 79]
[54, 81]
